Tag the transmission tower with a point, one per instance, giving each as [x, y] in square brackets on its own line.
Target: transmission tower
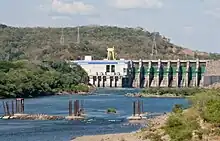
[62, 40]
[78, 36]
[154, 47]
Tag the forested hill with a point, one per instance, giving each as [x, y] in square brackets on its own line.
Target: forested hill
[44, 44]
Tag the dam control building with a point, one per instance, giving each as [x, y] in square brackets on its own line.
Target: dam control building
[143, 73]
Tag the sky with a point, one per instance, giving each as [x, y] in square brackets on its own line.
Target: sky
[193, 24]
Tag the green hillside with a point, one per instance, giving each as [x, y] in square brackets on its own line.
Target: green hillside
[44, 44]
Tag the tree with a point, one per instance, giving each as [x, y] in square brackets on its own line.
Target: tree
[26, 79]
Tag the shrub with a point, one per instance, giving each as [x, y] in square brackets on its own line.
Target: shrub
[211, 111]
[155, 137]
[82, 88]
[207, 103]
[178, 108]
[179, 128]
[111, 110]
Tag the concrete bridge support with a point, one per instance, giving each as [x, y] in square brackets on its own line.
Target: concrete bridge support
[168, 75]
[158, 73]
[106, 81]
[148, 77]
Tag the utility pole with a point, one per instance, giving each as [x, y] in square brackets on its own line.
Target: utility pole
[62, 40]
[154, 47]
[78, 36]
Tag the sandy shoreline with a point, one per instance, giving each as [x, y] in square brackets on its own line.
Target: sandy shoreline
[155, 122]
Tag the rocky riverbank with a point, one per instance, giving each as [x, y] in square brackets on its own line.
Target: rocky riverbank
[33, 117]
[156, 131]
[73, 93]
[41, 117]
[152, 95]
[154, 123]
[78, 92]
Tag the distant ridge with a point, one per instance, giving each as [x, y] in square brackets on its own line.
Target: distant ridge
[130, 43]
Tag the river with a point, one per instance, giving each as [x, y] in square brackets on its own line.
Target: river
[98, 121]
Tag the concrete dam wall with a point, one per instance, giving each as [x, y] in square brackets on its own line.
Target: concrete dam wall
[169, 73]
[212, 73]
[151, 73]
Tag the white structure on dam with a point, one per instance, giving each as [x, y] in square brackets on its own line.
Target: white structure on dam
[143, 73]
[105, 73]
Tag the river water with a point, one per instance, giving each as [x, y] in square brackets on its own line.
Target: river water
[98, 121]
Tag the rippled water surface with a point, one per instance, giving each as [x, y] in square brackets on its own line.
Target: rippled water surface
[98, 121]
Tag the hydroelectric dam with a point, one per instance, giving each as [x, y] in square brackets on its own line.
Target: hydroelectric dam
[147, 73]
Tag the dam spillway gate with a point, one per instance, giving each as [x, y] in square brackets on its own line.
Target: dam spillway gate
[145, 73]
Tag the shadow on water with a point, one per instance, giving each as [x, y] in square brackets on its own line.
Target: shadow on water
[98, 121]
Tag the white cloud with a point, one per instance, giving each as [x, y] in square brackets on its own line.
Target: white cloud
[60, 18]
[76, 7]
[214, 12]
[188, 29]
[130, 4]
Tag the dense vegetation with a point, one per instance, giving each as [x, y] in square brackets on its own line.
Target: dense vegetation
[44, 44]
[201, 121]
[27, 79]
